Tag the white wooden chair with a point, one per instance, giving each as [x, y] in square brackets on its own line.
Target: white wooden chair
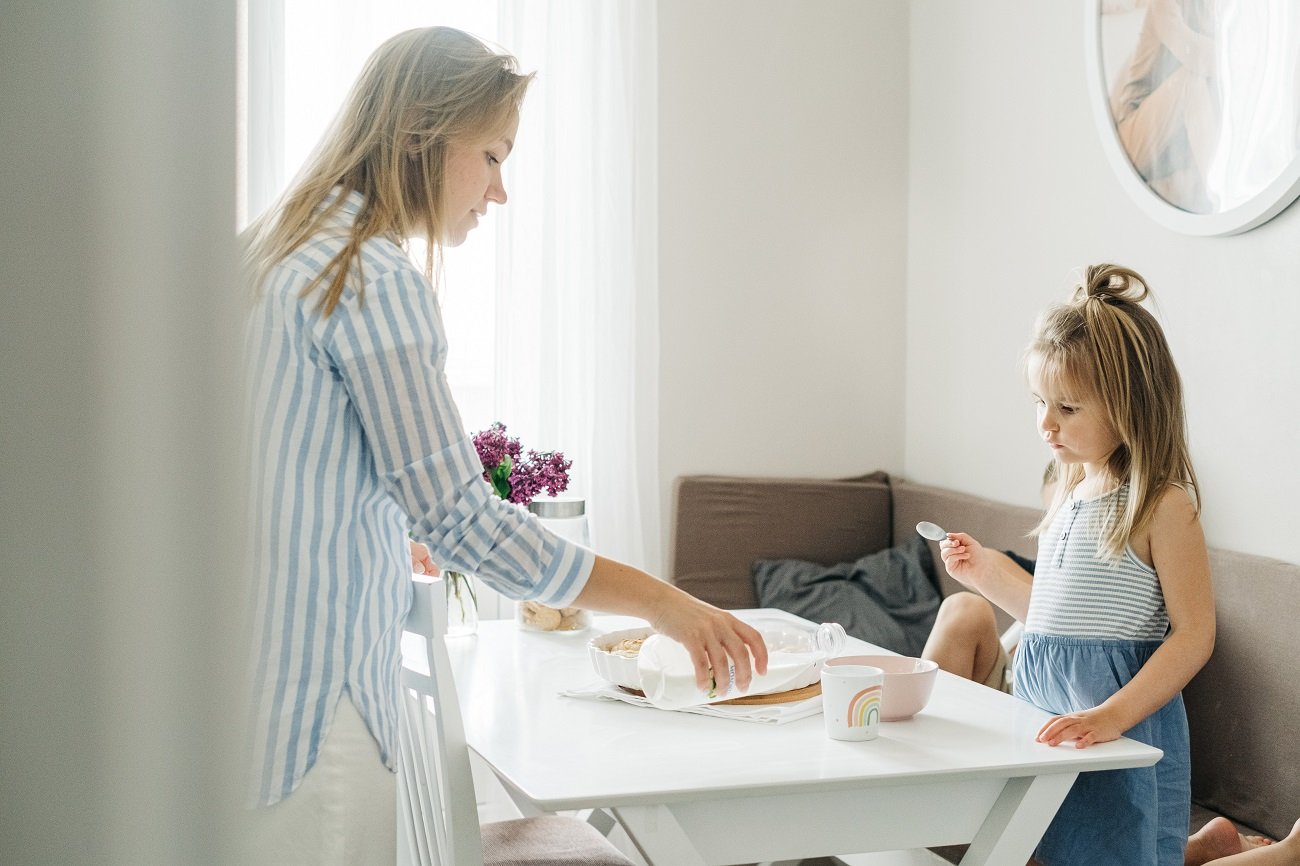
[436, 798]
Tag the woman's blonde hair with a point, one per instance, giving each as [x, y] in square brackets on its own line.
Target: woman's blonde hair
[418, 91]
[1103, 343]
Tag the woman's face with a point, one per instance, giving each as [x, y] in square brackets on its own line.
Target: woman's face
[474, 179]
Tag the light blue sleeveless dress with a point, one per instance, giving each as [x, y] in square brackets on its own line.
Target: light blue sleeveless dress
[1092, 624]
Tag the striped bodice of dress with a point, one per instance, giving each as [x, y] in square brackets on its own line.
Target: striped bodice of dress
[1078, 592]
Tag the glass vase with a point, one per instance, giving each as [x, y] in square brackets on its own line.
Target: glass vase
[462, 604]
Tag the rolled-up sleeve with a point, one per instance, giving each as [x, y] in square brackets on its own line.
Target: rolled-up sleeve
[389, 349]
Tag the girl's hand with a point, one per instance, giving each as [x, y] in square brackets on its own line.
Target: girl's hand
[1086, 728]
[420, 561]
[965, 559]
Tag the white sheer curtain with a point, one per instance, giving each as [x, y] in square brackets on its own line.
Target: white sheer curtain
[577, 288]
[552, 305]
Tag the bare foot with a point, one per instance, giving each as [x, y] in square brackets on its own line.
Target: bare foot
[1219, 838]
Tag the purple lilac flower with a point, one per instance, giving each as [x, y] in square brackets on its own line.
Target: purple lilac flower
[523, 487]
[493, 445]
[515, 477]
[552, 470]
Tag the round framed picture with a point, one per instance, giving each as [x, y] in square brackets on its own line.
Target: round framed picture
[1198, 107]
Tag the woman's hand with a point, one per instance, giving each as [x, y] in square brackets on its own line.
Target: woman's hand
[1098, 725]
[716, 641]
[420, 561]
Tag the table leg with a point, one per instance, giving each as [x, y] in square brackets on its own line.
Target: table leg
[1018, 819]
[602, 821]
[658, 836]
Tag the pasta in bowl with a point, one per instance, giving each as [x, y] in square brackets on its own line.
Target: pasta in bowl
[614, 655]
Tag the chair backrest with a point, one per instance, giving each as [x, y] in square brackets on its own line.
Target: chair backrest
[435, 785]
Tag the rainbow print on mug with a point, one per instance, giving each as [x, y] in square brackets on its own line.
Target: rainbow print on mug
[864, 708]
[851, 701]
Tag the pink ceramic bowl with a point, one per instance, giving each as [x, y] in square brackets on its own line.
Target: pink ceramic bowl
[908, 682]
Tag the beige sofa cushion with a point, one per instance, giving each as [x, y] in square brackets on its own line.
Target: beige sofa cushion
[1244, 705]
[723, 525]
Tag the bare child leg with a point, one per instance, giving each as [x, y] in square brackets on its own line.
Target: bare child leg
[964, 640]
[1284, 853]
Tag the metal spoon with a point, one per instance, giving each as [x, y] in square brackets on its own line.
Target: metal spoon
[932, 531]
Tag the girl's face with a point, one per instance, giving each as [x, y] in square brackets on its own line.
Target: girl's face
[474, 179]
[1073, 424]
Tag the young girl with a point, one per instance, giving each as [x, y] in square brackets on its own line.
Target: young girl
[357, 442]
[1119, 613]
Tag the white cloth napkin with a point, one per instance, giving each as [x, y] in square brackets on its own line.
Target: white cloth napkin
[768, 714]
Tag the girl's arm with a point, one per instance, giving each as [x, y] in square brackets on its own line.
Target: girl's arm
[991, 573]
[1180, 558]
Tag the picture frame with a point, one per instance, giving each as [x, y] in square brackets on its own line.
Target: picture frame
[1197, 105]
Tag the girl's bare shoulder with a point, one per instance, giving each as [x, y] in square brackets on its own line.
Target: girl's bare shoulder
[1176, 505]
[1175, 527]
[1174, 521]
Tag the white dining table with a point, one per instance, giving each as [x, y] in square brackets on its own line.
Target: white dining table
[693, 790]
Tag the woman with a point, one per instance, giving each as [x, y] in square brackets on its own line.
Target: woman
[358, 443]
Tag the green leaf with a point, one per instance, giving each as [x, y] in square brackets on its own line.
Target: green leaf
[500, 477]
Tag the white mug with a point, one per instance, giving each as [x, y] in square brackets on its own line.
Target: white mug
[851, 701]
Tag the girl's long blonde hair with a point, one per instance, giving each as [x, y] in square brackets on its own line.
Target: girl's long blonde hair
[419, 91]
[1105, 344]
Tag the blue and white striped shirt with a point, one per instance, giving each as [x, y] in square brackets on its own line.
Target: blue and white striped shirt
[356, 442]
[1078, 592]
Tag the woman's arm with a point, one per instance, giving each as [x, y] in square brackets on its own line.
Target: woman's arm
[389, 354]
[1183, 564]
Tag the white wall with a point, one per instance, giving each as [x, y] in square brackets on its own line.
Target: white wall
[120, 523]
[803, 145]
[1010, 191]
[783, 166]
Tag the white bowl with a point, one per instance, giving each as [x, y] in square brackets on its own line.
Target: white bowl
[908, 682]
[618, 669]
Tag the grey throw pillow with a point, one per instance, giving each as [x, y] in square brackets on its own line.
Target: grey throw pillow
[887, 598]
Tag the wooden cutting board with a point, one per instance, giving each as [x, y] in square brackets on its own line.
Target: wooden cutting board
[787, 697]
